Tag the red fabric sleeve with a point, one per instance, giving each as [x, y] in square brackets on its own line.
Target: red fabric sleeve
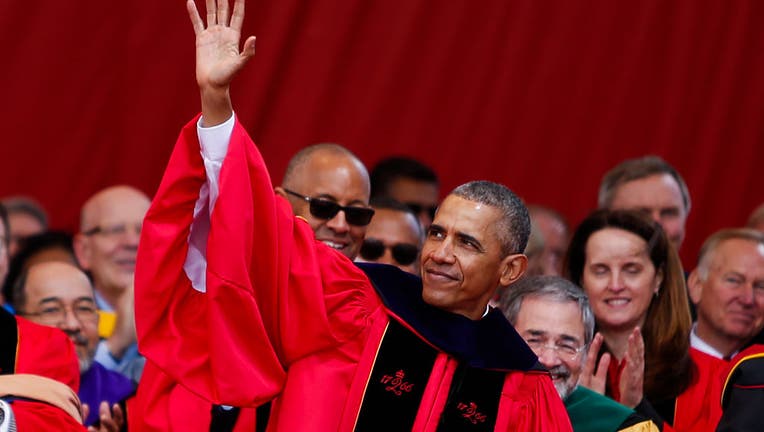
[48, 352]
[38, 416]
[532, 404]
[270, 286]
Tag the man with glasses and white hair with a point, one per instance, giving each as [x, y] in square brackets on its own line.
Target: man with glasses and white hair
[106, 246]
[554, 318]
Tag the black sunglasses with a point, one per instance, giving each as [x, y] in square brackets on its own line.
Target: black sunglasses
[325, 209]
[403, 253]
[418, 209]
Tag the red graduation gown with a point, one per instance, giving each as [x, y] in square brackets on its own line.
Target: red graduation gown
[160, 404]
[699, 407]
[44, 351]
[284, 316]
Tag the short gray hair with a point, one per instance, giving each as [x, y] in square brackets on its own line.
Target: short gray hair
[635, 169]
[708, 250]
[547, 287]
[514, 227]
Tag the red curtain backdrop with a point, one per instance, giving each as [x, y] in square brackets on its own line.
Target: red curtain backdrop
[543, 96]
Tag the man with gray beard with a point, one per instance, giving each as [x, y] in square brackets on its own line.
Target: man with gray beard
[58, 294]
[554, 318]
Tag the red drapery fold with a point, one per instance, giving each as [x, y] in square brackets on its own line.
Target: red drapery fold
[542, 96]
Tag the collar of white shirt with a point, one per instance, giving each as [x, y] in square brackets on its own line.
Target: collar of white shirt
[701, 345]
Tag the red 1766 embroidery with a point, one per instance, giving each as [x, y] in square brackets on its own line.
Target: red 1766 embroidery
[470, 412]
[396, 383]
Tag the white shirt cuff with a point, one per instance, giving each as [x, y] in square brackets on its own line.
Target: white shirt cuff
[214, 140]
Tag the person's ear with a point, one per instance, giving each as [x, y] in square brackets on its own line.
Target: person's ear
[658, 281]
[512, 268]
[695, 287]
[280, 191]
[83, 250]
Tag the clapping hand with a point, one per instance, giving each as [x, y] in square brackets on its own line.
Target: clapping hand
[633, 375]
[111, 420]
[594, 375]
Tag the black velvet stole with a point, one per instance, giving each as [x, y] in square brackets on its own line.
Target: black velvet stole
[9, 340]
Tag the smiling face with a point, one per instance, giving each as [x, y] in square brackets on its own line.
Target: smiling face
[730, 295]
[546, 323]
[462, 263]
[55, 288]
[619, 278]
[108, 243]
[336, 177]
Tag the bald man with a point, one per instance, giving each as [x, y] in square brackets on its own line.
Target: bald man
[106, 246]
[328, 186]
[58, 294]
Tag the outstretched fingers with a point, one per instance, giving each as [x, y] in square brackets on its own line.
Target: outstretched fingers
[211, 13]
[636, 347]
[591, 355]
[237, 19]
[593, 374]
[193, 14]
[222, 12]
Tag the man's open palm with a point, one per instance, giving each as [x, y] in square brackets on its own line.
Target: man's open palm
[217, 46]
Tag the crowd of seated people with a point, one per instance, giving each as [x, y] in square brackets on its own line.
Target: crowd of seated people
[645, 354]
[631, 342]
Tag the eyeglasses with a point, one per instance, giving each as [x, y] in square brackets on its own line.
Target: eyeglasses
[54, 312]
[563, 350]
[325, 209]
[117, 230]
[403, 253]
[419, 208]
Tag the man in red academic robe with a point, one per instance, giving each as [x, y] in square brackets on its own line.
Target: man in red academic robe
[727, 288]
[238, 302]
[30, 349]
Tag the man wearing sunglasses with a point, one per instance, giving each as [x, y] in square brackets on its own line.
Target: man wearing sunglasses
[237, 301]
[393, 237]
[328, 186]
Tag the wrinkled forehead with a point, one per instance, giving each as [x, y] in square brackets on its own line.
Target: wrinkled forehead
[554, 319]
[738, 253]
[476, 219]
[57, 280]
